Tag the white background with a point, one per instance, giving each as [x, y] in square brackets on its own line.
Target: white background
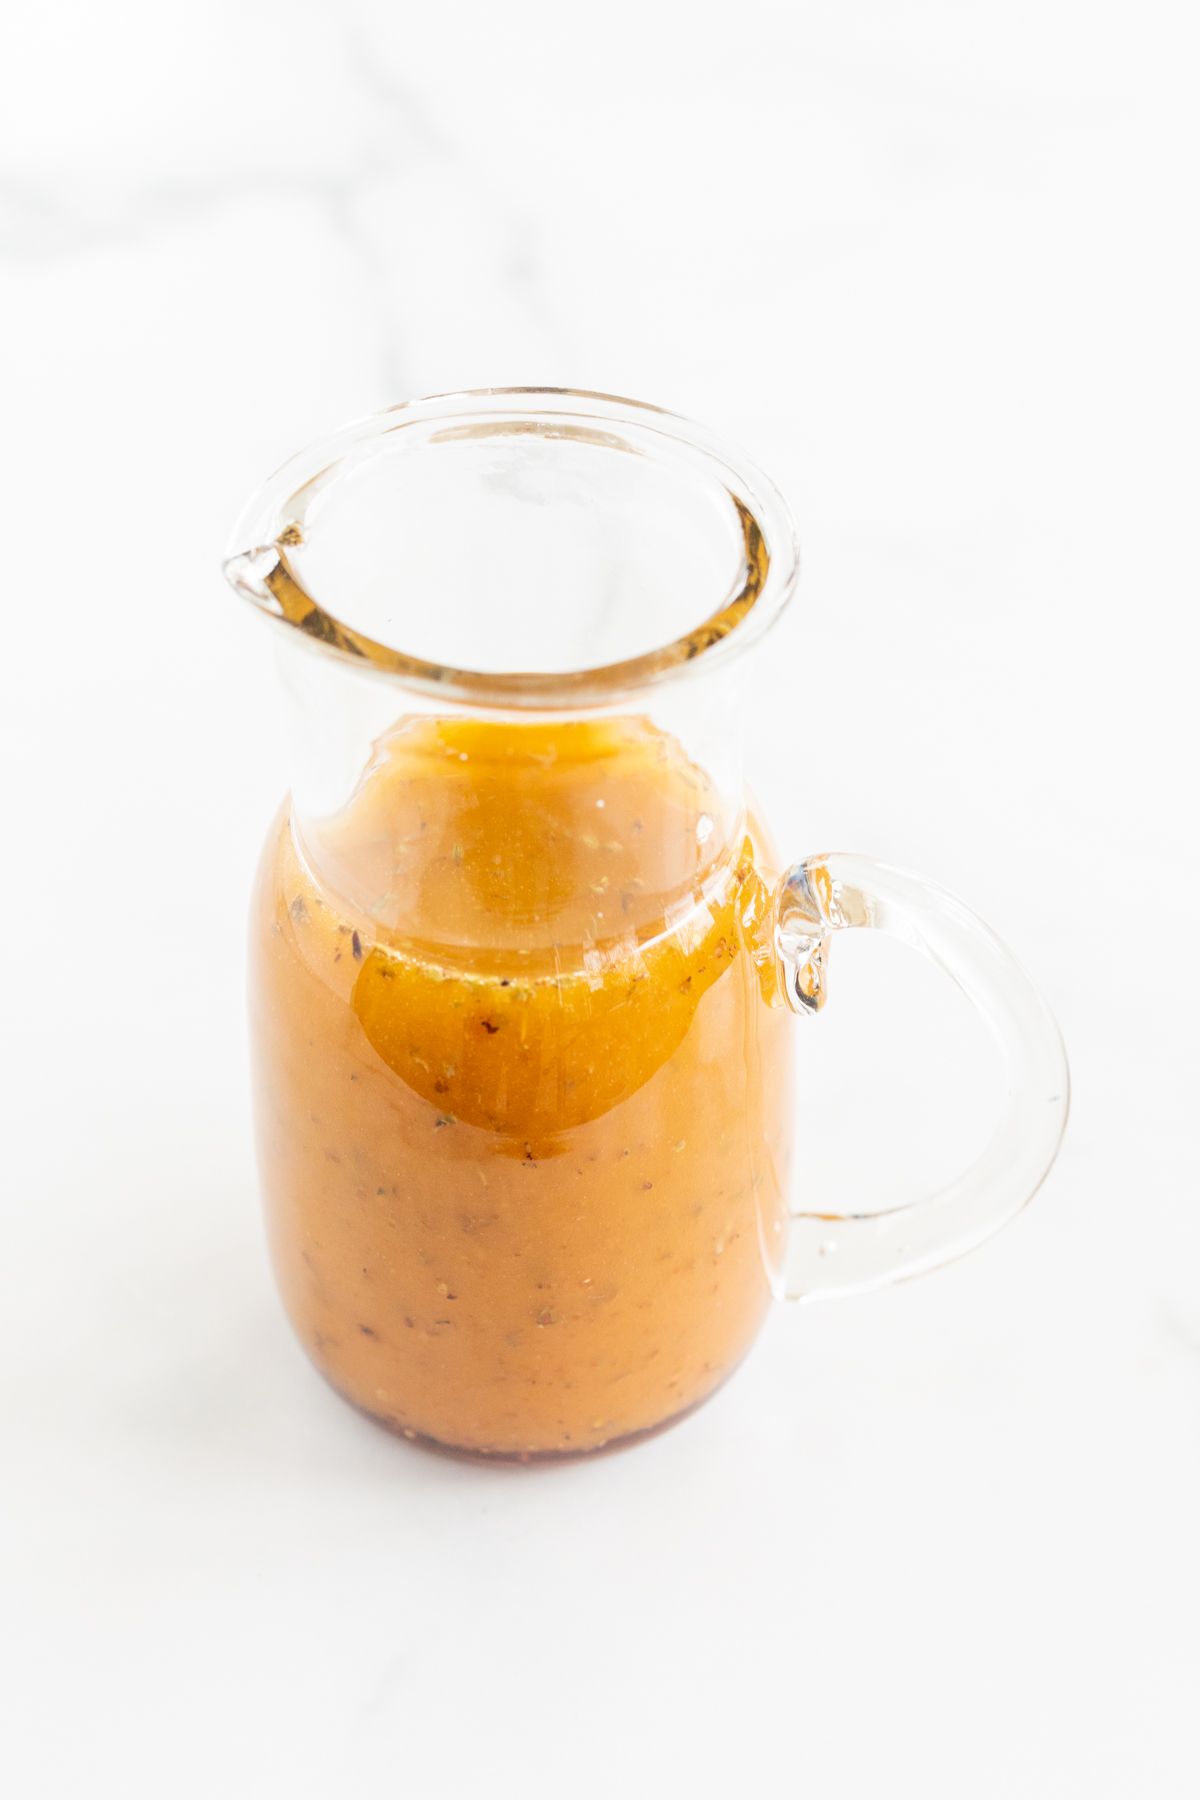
[935, 266]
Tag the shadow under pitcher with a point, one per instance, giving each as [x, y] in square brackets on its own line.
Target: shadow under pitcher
[525, 963]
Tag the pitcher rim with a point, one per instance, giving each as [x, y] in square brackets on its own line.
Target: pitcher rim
[259, 568]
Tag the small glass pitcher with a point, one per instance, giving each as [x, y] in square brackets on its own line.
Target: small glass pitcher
[524, 960]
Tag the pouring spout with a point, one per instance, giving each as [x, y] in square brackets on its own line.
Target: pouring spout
[266, 578]
[249, 573]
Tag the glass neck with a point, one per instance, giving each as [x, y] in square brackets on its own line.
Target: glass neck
[406, 811]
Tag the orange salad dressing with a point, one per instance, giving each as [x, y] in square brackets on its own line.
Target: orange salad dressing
[522, 1085]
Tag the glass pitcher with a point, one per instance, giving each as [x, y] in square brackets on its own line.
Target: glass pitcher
[525, 963]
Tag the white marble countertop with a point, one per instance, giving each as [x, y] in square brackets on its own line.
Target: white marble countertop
[935, 267]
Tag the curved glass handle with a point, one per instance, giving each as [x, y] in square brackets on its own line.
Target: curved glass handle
[832, 1253]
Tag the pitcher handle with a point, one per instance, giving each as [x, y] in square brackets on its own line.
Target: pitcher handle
[838, 1253]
